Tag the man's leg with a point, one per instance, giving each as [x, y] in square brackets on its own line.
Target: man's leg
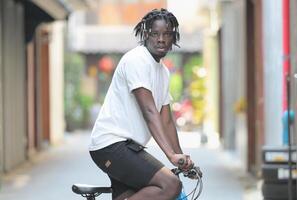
[163, 186]
[120, 190]
[124, 195]
[137, 171]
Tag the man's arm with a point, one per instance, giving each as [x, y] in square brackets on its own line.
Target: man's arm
[154, 122]
[171, 132]
[170, 128]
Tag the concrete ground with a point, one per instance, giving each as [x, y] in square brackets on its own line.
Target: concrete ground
[50, 175]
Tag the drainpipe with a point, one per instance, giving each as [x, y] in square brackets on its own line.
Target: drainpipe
[286, 89]
[287, 115]
[286, 48]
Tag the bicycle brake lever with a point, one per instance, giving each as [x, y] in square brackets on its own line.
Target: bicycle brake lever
[198, 171]
[176, 171]
[193, 173]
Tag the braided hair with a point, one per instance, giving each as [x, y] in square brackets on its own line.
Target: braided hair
[147, 21]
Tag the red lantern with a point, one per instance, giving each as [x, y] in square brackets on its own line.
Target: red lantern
[106, 64]
[168, 63]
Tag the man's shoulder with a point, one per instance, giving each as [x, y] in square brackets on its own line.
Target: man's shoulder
[136, 59]
[135, 53]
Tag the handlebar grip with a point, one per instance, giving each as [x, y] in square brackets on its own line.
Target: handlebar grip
[181, 162]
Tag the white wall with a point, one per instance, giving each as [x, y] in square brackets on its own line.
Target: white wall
[233, 67]
[272, 47]
[56, 71]
[210, 62]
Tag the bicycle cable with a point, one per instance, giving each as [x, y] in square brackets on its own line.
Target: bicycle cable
[194, 173]
[193, 192]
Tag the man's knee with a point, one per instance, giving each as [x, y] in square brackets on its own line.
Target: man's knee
[169, 184]
[174, 186]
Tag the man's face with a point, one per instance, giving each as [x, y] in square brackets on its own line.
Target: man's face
[159, 39]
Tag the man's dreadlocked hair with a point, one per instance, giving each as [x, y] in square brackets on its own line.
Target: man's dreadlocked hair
[147, 21]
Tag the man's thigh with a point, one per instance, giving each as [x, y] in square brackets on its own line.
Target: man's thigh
[128, 168]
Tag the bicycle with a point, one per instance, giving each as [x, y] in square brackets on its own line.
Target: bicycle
[90, 192]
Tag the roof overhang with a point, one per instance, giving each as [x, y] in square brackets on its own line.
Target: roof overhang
[53, 8]
[60, 9]
[42, 11]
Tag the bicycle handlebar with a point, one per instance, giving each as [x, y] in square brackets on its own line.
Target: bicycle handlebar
[193, 173]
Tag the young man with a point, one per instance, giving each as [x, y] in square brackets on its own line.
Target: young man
[137, 107]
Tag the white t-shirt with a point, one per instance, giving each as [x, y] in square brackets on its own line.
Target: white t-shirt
[120, 117]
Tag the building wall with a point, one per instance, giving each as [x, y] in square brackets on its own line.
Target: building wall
[42, 87]
[272, 48]
[31, 100]
[23, 70]
[13, 88]
[254, 74]
[1, 90]
[259, 80]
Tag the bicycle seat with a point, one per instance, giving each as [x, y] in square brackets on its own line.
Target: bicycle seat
[84, 189]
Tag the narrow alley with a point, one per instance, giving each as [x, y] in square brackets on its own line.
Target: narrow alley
[50, 175]
[227, 68]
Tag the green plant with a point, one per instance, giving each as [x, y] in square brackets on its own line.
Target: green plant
[197, 88]
[85, 103]
[176, 86]
[188, 68]
[73, 71]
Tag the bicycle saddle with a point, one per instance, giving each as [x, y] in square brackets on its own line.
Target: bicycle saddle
[84, 189]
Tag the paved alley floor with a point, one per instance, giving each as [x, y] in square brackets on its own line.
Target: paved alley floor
[50, 175]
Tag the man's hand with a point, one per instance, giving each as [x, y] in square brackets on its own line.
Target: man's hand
[186, 163]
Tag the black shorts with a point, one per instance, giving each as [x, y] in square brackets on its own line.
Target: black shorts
[127, 164]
